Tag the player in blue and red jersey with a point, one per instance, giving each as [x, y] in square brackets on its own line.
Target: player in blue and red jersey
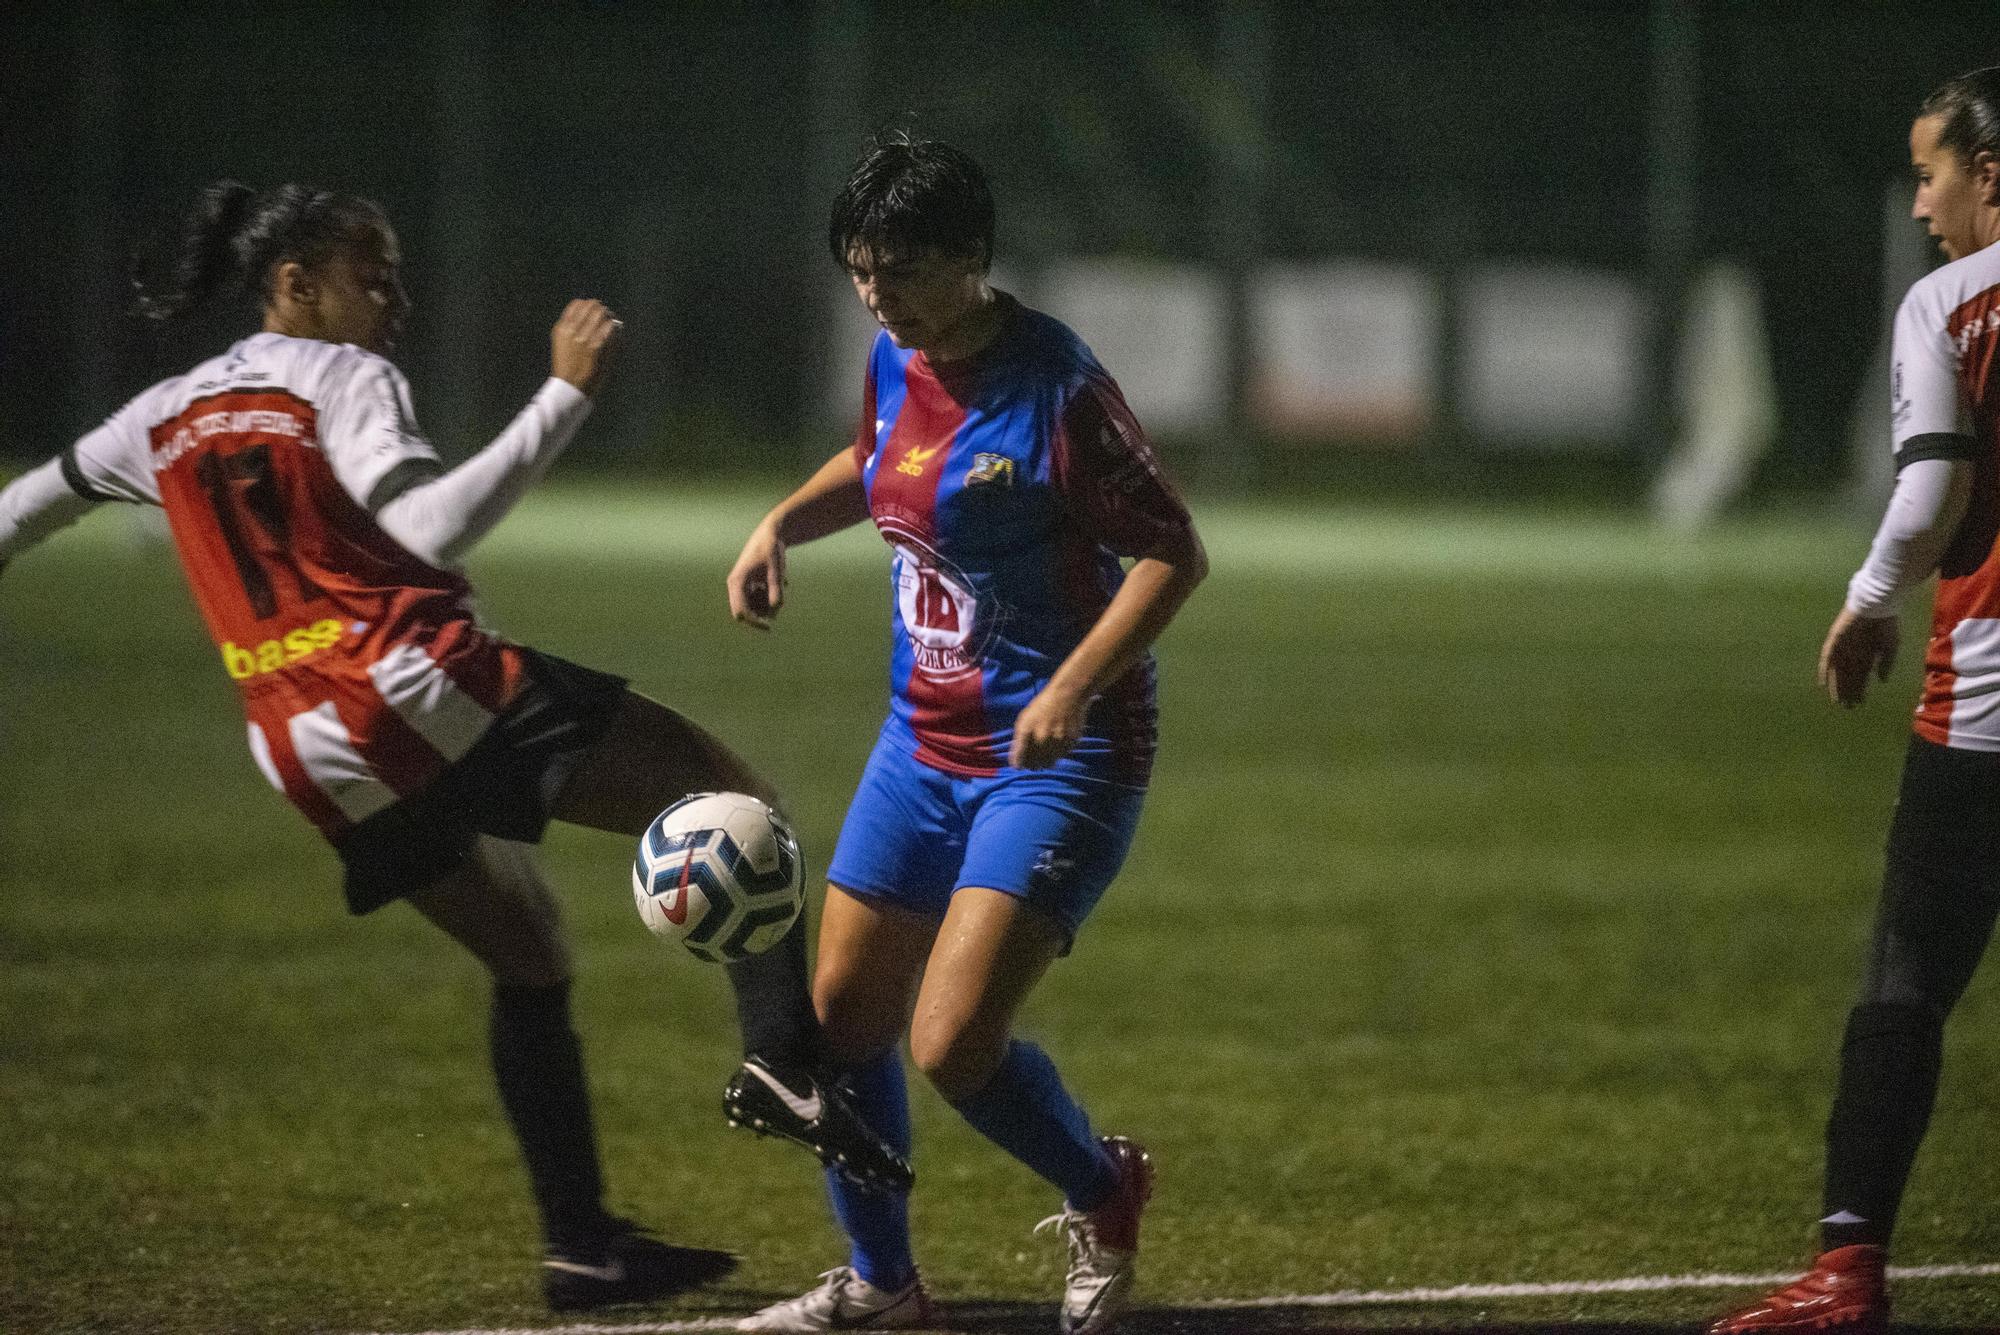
[999, 461]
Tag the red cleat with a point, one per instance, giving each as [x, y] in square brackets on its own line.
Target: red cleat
[1846, 1291]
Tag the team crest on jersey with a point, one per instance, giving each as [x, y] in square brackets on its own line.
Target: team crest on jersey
[994, 468]
[949, 631]
[915, 459]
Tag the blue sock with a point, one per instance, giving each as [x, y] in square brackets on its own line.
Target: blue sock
[1025, 1110]
[877, 1223]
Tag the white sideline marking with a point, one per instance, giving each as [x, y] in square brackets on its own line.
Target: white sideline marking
[1344, 1298]
[1634, 1284]
[593, 1328]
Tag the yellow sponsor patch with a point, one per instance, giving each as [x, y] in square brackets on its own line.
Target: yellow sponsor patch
[244, 663]
[914, 461]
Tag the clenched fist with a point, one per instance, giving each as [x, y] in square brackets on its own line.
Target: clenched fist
[581, 344]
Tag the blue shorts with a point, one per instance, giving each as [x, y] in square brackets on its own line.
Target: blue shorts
[914, 834]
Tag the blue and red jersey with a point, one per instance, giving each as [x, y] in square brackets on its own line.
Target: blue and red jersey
[1009, 484]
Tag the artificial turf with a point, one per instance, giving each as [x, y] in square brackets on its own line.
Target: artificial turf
[1493, 918]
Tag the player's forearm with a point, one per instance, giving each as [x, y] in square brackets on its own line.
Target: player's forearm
[440, 519]
[1153, 592]
[34, 505]
[1924, 511]
[831, 499]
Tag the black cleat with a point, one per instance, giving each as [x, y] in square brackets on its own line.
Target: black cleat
[816, 1114]
[626, 1265]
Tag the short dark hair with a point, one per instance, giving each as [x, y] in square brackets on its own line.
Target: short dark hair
[1969, 105]
[233, 239]
[909, 196]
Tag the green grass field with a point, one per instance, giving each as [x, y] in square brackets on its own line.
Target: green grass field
[1493, 919]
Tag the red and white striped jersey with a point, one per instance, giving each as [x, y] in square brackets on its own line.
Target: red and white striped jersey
[1946, 392]
[363, 669]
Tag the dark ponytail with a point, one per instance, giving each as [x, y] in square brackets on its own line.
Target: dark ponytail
[202, 260]
[234, 239]
[1970, 109]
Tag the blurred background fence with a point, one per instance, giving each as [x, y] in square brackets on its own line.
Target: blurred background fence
[1461, 244]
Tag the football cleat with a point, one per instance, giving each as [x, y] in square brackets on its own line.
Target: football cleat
[1846, 1292]
[791, 1103]
[1104, 1244]
[845, 1301]
[625, 1265]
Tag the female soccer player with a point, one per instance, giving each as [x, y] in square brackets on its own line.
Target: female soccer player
[999, 461]
[322, 540]
[1941, 885]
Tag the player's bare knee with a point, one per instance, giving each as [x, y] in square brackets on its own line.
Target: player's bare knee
[957, 1061]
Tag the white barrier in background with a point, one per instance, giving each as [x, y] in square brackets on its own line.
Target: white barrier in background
[1346, 349]
[1551, 355]
[1158, 328]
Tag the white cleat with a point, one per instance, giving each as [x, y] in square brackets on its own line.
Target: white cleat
[1104, 1245]
[845, 1301]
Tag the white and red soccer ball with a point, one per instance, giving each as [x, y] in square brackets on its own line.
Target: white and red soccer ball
[721, 874]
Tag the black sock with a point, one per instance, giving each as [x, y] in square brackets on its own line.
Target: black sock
[1889, 1064]
[538, 1064]
[774, 1004]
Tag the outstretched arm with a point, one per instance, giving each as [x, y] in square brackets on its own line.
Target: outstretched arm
[1924, 511]
[36, 504]
[831, 500]
[438, 515]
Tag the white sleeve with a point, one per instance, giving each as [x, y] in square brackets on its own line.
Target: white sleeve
[112, 463]
[1927, 505]
[1929, 419]
[441, 518]
[115, 462]
[367, 427]
[36, 504]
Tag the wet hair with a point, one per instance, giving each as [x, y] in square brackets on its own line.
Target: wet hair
[233, 240]
[1969, 106]
[909, 196]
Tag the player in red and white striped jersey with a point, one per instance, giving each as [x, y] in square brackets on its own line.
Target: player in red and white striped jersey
[1941, 884]
[321, 537]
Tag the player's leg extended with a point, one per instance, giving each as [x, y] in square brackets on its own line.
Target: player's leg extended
[649, 758]
[500, 907]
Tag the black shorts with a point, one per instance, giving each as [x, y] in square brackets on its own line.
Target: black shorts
[504, 786]
[1948, 808]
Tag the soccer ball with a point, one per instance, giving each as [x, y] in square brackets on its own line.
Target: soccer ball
[721, 874]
